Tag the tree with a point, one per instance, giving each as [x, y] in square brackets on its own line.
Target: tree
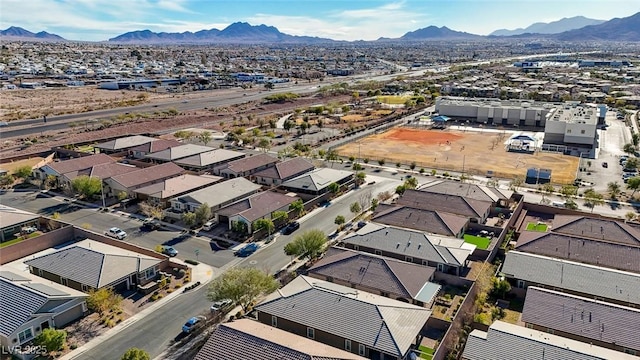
[411, 183]
[203, 213]
[265, 144]
[23, 172]
[242, 285]
[264, 224]
[7, 180]
[205, 137]
[630, 216]
[633, 184]
[340, 220]
[412, 166]
[374, 204]
[297, 207]
[288, 125]
[135, 354]
[629, 148]
[103, 300]
[360, 176]
[381, 162]
[189, 219]
[614, 189]
[516, 183]
[500, 288]
[400, 189]
[592, 199]
[268, 85]
[310, 244]
[278, 215]
[151, 210]
[547, 189]
[568, 191]
[334, 188]
[355, 208]
[86, 186]
[51, 339]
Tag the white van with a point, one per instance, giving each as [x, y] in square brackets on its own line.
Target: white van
[209, 225]
[559, 204]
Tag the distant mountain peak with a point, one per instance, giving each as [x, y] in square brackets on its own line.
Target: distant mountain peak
[554, 27]
[16, 32]
[437, 33]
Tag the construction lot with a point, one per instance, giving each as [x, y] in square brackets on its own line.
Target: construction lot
[471, 152]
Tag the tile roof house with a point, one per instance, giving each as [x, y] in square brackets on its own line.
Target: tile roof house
[249, 339]
[377, 274]
[13, 220]
[209, 159]
[469, 191]
[142, 177]
[524, 269]
[283, 171]
[602, 229]
[454, 204]
[122, 144]
[430, 221]
[140, 151]
[31, 304]
[177, 152]
[607, 325]
[71, 167]
[90, 264]
[588, 250]
[216, 196]
[371, 325]
[447, 254]
[258, 206]
[246, 166]
[512, 342]
[316, 182]
[160, 193]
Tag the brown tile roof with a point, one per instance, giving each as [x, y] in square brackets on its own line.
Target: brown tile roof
[604, 229]
[178, 185]
[376, 272]
[581, 249]
[152, 173]
[431, 221]
[249, 163]
[81, 163]
[287, 169]
[258, 205]
[453, 204]
[155, 146]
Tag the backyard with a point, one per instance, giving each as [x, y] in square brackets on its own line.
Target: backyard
[479, 241]
[540, 227]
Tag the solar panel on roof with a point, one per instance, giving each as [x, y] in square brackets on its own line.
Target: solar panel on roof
[47, 290]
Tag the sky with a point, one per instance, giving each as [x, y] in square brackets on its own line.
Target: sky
[99, 20]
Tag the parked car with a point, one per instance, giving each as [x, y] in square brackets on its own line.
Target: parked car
[29, 230]
[291, 228]
[192, 324]
[247, 250]
[220, 304]
[117, 233]
[169, 251]
[209, 225]
[150, 225]
[605, 165]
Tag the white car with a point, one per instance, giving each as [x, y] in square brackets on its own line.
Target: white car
[117, 233]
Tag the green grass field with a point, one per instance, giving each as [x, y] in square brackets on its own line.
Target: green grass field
[537, 227]
[393, 100]
[480, 242]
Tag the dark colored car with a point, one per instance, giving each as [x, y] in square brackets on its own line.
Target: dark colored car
[605, 165]
[247, 250]
[150, 225]
[291, 228]
[169, 251]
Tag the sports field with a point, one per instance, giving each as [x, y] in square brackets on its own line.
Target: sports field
[452, 150]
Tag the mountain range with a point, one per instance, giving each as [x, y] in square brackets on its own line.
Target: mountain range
[554, 27]
[618, 29]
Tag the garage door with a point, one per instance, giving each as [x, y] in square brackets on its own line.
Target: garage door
[121, 287]
[68, 316]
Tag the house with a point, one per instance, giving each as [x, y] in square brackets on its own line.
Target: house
[583, 319]
[71, 166]
[316, 182]
[140, 151]
[246, 166]
[596, 228]
[375, 274]
[619, 287]
[258, 206]
[177, 152]
[89, 265]
[283, 171]
[160, 193]
[13, 220]
[368, 325]
[446, 254]
[249, 339]
[475, 210]
[123, 144]
[508, 341]
[430, 221]
[31, 304]
[216, 196]
[496, 196]
[209, 159]
[143, 177]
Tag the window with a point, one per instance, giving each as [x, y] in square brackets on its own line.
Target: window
[440, 267]
[629, 351]
[356, 247]
[425, 262]
[63, 281]
[529, 326]
[520, 284]
[550, 331]
[149, 273]
[347, 344]
[378, 252]
[408, 259]
[274, 321]
[582, 131]
[568, 131]
[25, 335]
[362, 350]
[311, 333]
[85, 288]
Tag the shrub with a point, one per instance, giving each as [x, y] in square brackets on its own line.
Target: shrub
[191, 262]
[177, 286]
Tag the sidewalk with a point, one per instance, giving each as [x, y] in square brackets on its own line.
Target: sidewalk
[201, 272]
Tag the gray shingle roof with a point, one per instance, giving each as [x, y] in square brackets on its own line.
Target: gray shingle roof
[603, 229]
[249, 163]
[468, 190]
[430, 221]
[581, 249]
[221, 193]
[81, 163]
[249, 339]
[147, 175]
[259, 205]
[287, 169]
[317, 179]
[16, 306]
[506, 341]
[581, 278]
[584, 317]
[453, 204]
[213, 157]
[125, 142]
[178, 152]
[387, 325]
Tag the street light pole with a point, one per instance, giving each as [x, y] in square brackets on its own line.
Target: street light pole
[102, 192]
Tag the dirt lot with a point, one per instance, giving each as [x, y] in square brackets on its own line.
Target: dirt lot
[451, 150]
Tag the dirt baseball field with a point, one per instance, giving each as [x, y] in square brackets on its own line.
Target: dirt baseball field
[450, 150]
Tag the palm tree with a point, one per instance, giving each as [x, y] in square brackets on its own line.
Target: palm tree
[614, 189]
